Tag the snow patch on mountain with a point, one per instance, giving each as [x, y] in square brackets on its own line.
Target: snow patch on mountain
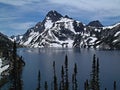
[31, 37]
[111, 27]
[117, 33]
[62, 31]
[48, 24]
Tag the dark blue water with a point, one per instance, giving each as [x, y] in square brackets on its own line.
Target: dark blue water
[42, 59]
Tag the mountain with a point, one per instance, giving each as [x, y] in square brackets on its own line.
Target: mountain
[5, 42]
[16, 38]
[54, 31]
[96, 23]
[62, 31]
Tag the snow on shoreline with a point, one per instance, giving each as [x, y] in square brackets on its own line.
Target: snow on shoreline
[3, 68]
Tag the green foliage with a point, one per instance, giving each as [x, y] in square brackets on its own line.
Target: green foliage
[94, 82]
[16, 70]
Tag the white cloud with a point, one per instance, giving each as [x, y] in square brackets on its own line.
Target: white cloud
[89, 4]
[22, 25]
[100, 8]
[18, 10]
[5, 19]
[108, 6]
[18, 2]
[13, 2]
[15, 28]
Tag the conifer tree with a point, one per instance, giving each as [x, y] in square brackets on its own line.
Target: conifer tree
[62, 77]
[55, 77]
[85, 88]
[46, 85]
[93, 84]
[60, 86]
[73, 81]
[15, 74]
[75, 74]
[74, 78]
[66, 74]
[19, 81]
[95, 74]
[114, 85]
[39, 78]
[86, 85]
[14, 70]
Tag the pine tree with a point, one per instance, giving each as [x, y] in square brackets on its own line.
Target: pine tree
[86, 85]
[95, 74]
[75, 73]
[55, 77]
[19, 81]
[62, 77]
[46, 85]
[85, 88]
[14, 70]
[66, 74]
[74, 78]
[114, 85]
[39, 78]
[73, 81]
[60, 86]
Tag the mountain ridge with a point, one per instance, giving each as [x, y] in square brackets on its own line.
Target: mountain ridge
[62, 31]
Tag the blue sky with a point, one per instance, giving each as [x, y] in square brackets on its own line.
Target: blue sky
[16, 16]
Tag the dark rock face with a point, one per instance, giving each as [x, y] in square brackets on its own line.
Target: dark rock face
[53, 15]
[5, 42]
[111, 37]
[78, 27]
[95, 24]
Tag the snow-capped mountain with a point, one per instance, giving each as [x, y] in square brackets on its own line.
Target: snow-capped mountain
[16, 38]
[54, 31]
[62, 31]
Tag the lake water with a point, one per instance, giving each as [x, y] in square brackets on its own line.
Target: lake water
[42, 59]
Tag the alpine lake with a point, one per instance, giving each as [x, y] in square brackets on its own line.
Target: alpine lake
[42, 59]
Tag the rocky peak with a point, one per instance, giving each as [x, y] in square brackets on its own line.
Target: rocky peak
[96, 23]
[66, 16]
[53, 15]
